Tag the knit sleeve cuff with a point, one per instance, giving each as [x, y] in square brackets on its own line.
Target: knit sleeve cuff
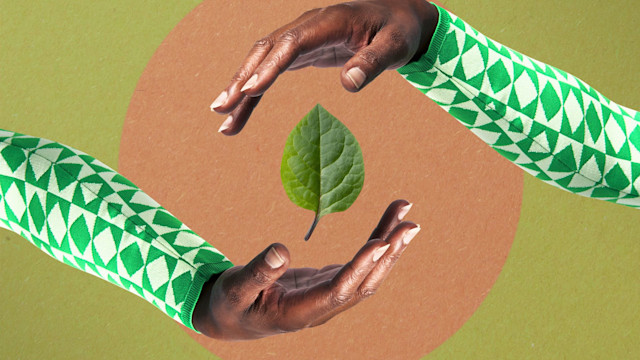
[428, 59]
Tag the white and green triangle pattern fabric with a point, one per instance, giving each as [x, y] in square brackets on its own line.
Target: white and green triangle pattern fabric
[548, 122]
[81, 212]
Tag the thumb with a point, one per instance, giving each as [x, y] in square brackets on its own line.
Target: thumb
[387, 49]
[260, 274]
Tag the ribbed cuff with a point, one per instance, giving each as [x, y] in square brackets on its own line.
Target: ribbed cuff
[203, 274]
[426, 61]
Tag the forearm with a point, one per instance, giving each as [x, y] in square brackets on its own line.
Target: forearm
[548, 122]
[86, 215]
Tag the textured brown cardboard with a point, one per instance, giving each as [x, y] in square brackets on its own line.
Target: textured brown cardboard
[228, 189]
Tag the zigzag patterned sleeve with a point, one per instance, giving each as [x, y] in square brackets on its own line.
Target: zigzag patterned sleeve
[548, 122]
[81, 212]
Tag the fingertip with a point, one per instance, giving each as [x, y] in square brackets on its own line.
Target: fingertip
[400, 202]
[260, 82]
[278, 254]
[348, 84]
[219, 101]
[228, 100]
[282, 250]
[238, 118]
[368, 252]
[356, 77]
[379, 252]
[407, 225]
[404, 210]
[273, 259]
[253, 80]
[400, 207]
[410, 234]
[404, 233]
[226, 125]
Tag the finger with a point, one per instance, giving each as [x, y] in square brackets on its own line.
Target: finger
[381, 269]
[232, 95]
[395, 212]
[398, 240]
[243, 287]
[239, 116]
[302, 307]
[320, 31]
[388, 48]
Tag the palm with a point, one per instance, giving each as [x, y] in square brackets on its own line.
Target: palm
[302, 278]
[266, 297]
[290, 298]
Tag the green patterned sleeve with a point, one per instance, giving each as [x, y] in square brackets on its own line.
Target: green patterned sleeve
[548, 122]
[81, 212]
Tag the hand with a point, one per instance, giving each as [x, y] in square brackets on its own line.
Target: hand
[265, 297]
[363, 37]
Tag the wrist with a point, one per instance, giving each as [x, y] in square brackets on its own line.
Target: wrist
[425, 60]
[428, 16]
[202, 309]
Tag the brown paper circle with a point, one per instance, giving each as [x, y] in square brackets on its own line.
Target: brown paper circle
[228, 189]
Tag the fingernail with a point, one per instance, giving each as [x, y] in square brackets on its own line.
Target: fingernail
[226, 124]
[356, 76]
[410, 234]
[250, 83]
[273, 258]
[403, 211]
[219, 100]
[378, 253]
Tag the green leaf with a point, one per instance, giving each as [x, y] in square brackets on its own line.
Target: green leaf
[322, 168]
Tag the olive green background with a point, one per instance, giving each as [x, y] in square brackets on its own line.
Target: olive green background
[569, 289]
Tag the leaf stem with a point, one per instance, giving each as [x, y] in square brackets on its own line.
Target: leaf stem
[313, 226]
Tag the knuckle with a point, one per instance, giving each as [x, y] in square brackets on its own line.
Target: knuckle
[336, 9]
[370, 57]
[265, 42]
[291, 36]
[391, 259]
[338, 299]
[338, 15]
[241, 75]
[308, 12]
[366, 292]
[260, 277]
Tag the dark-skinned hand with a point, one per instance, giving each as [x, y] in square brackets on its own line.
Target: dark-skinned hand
[363, 37]
[266, 297]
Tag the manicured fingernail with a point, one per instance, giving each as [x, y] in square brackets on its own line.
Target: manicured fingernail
[356, 76]
[403, 211]
[273, 258]
[226, 124]
[219, 100]
[410, 234]
[378, 253]
[250, 83]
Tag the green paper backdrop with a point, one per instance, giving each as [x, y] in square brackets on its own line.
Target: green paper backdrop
[569, 289]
